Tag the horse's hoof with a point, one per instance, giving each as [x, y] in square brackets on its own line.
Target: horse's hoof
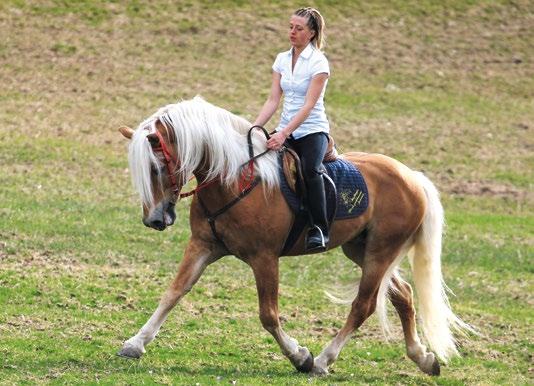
[307, 365]
[435, 368]
[131, 352]
[319, 371]
[430, 365]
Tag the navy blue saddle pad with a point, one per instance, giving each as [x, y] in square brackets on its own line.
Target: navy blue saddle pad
[352, 197]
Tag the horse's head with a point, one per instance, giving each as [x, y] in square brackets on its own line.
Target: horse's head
[153, 165]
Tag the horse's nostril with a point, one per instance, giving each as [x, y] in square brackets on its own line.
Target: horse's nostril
[157, 224]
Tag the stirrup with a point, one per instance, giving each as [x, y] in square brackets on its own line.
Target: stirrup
[316, 243]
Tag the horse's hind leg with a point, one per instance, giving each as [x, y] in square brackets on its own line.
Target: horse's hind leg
[374, 267]
[265, 270]
[196, 258]
[402, 298]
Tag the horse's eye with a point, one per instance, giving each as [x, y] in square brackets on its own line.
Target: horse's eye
[156, 169]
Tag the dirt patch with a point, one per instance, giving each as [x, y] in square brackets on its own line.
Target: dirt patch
[480, 188]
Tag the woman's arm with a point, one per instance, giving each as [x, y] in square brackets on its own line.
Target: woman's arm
[314, 92]
[272, 102]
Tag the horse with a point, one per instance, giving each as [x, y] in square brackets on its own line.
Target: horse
[195, 139]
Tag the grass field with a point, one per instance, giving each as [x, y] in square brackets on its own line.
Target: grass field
[446, 87]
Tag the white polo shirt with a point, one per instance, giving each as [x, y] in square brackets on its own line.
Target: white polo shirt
[295, 86]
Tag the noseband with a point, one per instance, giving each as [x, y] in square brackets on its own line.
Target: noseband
[169, 160]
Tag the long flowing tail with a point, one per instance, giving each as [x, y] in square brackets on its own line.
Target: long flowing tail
[439, 321]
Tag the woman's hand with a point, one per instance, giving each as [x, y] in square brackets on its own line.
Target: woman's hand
[276, 141]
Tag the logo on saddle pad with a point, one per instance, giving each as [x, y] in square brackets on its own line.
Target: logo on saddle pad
[352, 200]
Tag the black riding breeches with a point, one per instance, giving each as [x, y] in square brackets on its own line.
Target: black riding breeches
[311, 150]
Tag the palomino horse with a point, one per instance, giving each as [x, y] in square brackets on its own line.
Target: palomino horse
[195, 138]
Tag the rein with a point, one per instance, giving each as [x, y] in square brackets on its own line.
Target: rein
[252, 158]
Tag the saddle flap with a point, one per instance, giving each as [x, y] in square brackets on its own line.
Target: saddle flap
[294, 187]
[289, 166]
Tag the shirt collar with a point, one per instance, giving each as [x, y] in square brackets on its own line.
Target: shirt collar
[306, 53]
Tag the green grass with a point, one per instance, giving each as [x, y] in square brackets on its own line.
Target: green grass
[446, 87]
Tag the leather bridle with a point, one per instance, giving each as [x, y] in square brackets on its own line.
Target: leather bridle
[172, 164]
[247, 181]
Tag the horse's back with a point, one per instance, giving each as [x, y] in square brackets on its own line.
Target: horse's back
[380, 167]
[381, 161]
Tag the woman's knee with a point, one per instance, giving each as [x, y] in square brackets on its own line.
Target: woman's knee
[312, 172]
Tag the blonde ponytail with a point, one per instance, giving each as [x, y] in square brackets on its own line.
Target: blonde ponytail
[315, 23]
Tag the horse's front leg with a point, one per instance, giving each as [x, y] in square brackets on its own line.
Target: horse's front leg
[197, 257]
[265, 270]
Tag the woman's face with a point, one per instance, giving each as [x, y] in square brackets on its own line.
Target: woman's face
[299, 32]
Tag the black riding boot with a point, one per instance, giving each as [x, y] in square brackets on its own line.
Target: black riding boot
[317, 237]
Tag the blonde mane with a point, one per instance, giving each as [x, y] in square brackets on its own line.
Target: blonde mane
[199, 128]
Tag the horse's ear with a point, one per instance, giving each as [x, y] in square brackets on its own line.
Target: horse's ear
[153, 139]
[126, 132]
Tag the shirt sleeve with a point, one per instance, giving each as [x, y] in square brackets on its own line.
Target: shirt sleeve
[320, 65]
[277, 65]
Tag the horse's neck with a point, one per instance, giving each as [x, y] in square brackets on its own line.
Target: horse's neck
[202, 172]
[215, 194]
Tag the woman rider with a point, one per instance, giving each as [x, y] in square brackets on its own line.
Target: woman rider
[301, 75]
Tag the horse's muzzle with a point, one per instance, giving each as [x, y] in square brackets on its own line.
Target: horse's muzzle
[162, 216]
